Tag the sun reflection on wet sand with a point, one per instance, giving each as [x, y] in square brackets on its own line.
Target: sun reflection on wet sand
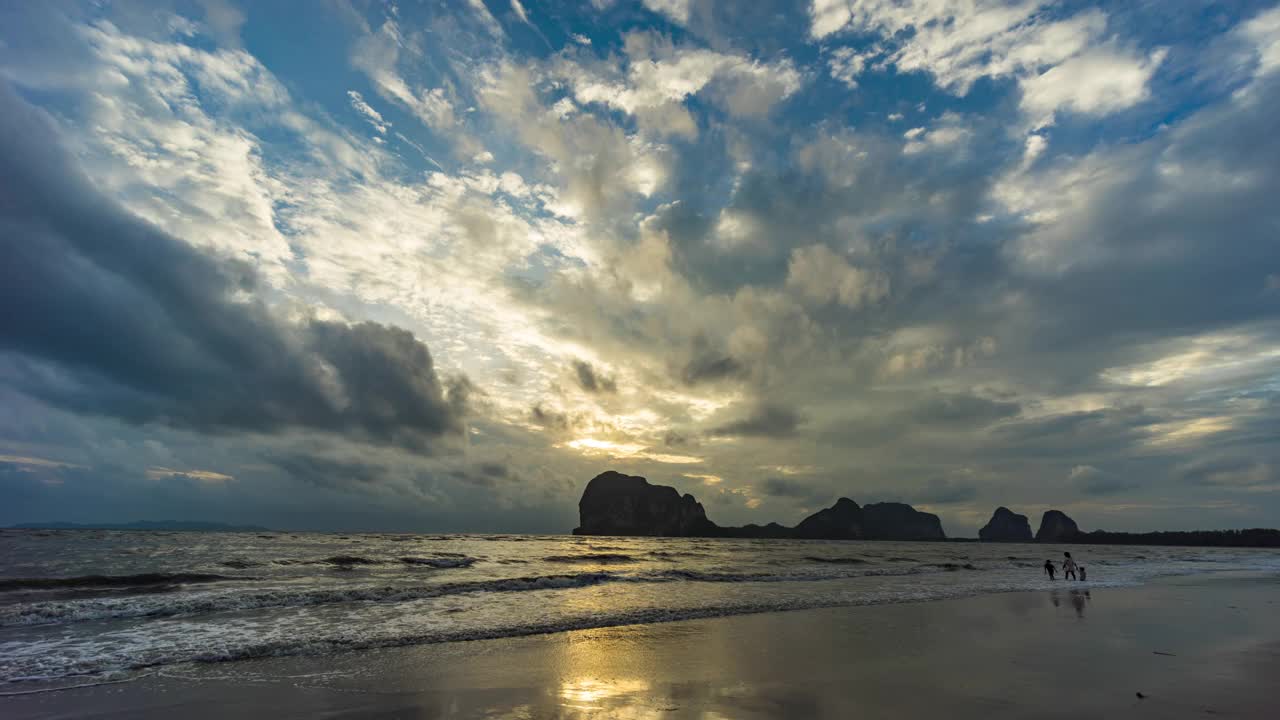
[588, 693]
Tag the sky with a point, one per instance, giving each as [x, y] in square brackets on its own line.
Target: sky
[431, 266]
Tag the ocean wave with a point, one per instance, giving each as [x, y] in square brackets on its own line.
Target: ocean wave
[440, 562]
[111, 581]
[252, 647]
[593, 558]
[349, 560]
[204, 603]
[837, 560]
[665, 555]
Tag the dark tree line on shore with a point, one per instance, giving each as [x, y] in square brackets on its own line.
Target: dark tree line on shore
[1254, 537]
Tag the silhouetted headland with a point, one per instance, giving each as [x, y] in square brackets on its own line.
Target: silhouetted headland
[617, 504]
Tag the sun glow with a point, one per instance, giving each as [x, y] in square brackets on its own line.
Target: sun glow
[608, 448]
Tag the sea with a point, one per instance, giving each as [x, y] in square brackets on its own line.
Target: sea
[83, 606]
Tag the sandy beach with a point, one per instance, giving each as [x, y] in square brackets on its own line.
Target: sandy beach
[1193, 647]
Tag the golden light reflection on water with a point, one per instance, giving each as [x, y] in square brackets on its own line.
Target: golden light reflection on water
[588, 693]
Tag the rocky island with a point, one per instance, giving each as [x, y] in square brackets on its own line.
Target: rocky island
[1056, 527]
[617, 504]
[1006, 526]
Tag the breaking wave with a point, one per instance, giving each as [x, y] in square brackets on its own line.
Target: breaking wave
[112, 581]
[592, 558]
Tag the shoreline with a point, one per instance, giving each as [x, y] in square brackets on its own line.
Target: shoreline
[1210, 641]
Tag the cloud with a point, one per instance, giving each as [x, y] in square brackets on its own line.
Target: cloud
[1263, 33]
[487, 19]
[766, 420]
[675, 10]
[708, 365]
[1092, 481]
[519, 10]
[1095, 83]
[373, 116]
[591, 380]
[944, 491]
[1232, 473]
[204, 476]
[377, 55]
[657, 77]
[845, 65]
[225, 19]
[821, 276]
[118, 318]
[958, 43]
[24, 463]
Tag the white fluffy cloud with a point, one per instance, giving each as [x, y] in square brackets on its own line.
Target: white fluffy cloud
[846, 65]
[675, 10]
[1060, 63]
[1097, 82]
[657, 77]
[1263, 33]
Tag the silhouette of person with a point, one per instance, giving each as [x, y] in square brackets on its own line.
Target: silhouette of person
[1068, 567]
[1049, 569]
[1083, 574]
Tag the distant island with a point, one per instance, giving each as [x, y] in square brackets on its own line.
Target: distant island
[169, 525]
[618, 504]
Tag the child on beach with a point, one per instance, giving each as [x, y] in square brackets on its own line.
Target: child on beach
[1048, 568]
[1068, 566]
[1082, 573]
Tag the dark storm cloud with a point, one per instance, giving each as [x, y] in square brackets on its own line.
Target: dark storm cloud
[893, 417]
[1092, 481]
[1077, 434]
[484, 474]
[1233, 472]
[107, 314]
[957, 408]
[706, 368]
[550, 419]
[766, 420]
[326, 471]
[781, 487]
[591, 380]
[675, 438]
[706, 363]
[802, 493]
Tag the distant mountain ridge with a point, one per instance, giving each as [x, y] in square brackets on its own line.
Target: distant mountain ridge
[170, 525]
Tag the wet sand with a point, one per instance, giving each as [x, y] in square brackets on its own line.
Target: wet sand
[1202, 647]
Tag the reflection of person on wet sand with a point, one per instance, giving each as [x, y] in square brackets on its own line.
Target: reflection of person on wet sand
[1077, 602]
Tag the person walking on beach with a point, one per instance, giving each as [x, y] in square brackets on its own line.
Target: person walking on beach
[1048, 568]
[1068, 567]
